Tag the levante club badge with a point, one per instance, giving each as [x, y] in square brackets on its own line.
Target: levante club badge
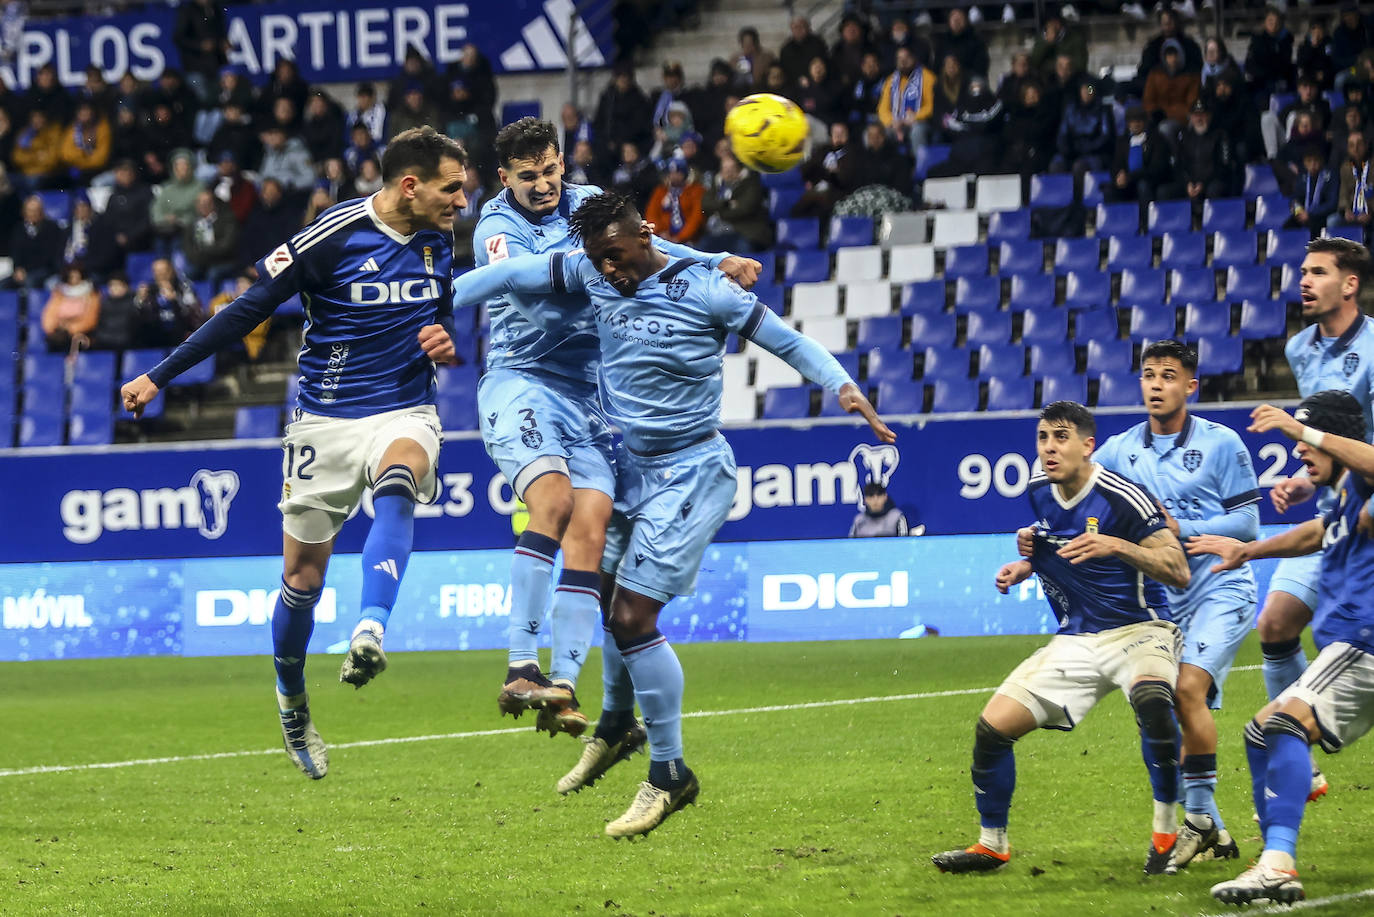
[429, 260]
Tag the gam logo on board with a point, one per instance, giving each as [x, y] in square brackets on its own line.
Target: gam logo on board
[203, 504]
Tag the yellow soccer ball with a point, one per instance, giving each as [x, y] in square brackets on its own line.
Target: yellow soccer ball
[767, 132]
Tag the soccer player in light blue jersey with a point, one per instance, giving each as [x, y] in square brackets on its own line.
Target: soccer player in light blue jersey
[1336, 352]
[543, 426]
[1202, 475]
[662, 325]
[1101, 547]
[374, 275]
[1332, 702]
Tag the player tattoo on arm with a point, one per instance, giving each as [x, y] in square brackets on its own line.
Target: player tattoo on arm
[1159, 556]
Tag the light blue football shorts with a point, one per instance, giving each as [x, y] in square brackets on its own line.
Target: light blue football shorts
[533, 425]
[1213, 630]
[1298, 576]
[668, 509]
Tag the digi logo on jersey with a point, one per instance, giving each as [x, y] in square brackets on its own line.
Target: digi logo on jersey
[202, 504]
[372, 292]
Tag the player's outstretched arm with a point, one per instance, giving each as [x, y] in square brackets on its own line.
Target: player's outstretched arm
[1012, 574]
[743, 271]
[1298, 541]
[522, 274]
[1354, 454]
[138, 394]
[1159, 555]
[854, 401]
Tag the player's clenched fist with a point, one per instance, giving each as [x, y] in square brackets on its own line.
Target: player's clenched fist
[437, 344]
[136, 395]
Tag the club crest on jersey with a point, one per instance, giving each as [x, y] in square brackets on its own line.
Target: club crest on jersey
[1091, 527]
[676, 289]
[1350, 363]
[429, 259]
[279, 260]
[532, 439]
[1192, 460]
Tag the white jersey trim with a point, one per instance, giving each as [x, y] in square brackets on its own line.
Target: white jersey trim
[1082, 491]
[384, 229]
[1130, 491]
[322, 229]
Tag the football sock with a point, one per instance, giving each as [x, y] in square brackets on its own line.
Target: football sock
[1257, 756]
[617, 691]
[293, 621]
[995, 839]
[1200, 786]
[1284, 661]
[531, 569]
[657, 677]
[994, 778]
[1160, 741]
[1287, 781]
[387, 549]
[668, 775]
[576, 610]
[613, 724]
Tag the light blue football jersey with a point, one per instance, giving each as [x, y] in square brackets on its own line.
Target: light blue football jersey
[1204, 477]
[1345, 363]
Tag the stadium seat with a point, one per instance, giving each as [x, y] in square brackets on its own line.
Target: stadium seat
[1141, 287]
[954, 227]
[40, 430]
[1011, 393]
[1223, 214]
[1153, 324]
[1180, 250]
[945, 363]
[997, 193]
[45, 370]
[1093, 183]
[867, 299]
[1063, 387]
[768, 265]
[258, 422]
[1051, 357]
[1244, 283]
[787, 403]
[928, 157]
[9, 342]
[1129, 252]
[1259, 179]
[94, 365]
[139, 267]
[849, 362]
[135, 363]
[1076, 255]
[453, 379]
[805, 266]
[923, 296]
[9, 307]
[1233, 249]
[1001, 360]
[792, 178]
[950, 396]
[988, 328]
[1286, 246]
[458, 412]
[799, 232]
[1206, 321]
[94, 429]
[1087, 290]
[830, 405]
[1008, 225]
[896, 397]
[1192, 285]
[815, 300]
[1021, 256]
[91, 396]
[1290, 283]
[201, 374]
[977, 294]
[966, 261]
[890, 363]
[911, 262]
[1051, 190]
[768, 292]
[293, 390]
[1272, 211]
[1044, 326]
[883, 331]
[43, 401]
[1217, 356]
[903, 229]
[932, 330]
[950, 193]
[1263, 318]
[1169, 216]
[1353, 233]
[832, 333]
[782, 200]
[849, 231]
[1032, 292]
[1094, 325]
[57, 205]
[515, 110]
[859, 262]
[1118, 389]
[1118, 219]
[1109, 356]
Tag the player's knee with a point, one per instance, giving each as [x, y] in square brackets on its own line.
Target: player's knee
[1254, 734]
[1282, 723]
[989, 738]
[551, 506]
[1154, 705]
[1282, 618]
[396, 481]
[304, 579]
[628, 622]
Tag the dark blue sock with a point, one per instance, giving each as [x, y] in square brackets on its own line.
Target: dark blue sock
[293, 621]
[1257, 756]
[1160, 740]
[1287, 782]
[994, 775]
[387, 549]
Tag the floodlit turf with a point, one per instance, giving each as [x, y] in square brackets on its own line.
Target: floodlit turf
[822, 810]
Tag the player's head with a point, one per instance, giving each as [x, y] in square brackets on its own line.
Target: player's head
[530, 165]
[1333, 274]
[1334, 412]
[1168, 375]
[1064, 440]
[426, 169]
[616, 238]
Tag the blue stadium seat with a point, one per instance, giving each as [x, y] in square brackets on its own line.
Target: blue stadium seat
[1142, 287]
[1153, 324]
[458, 410]
[1118, 219]
[966, 261]
[91, 396]
[1286, 246]
[1353, 233]
[46, 370]
[1169, 216]
[202, 373]
[9, 307]
[950, 396]
[1290, 283]
[1263, 318]
[453, 379]
[1223, 214]
[932, 331]
[849, 362]
[1129, 251]
[1233, 249]
[1032, 292]
[94, 365]
[787, 403]
[799, 232]
[521, 108]
[1087, 289]
[1076, 255]
[1259, 179]
[1109, 356]
[40, 430]
[1181, 250]
[782, 200]
[57, 205]
[792, 178]
[890, 363]
[1192, 285]
[1051, 190]
[770, 294]
[135, 363]
[1218, 356]
[1093, 183]
[293, 388]
[896, 397]
[1008, 225]
[1094, 325]
[1021, 256]
[1011, 393]
[1063, 387]
[945, 363]
[1244, 283]
[1044, 326]
[1272, 211]
[1206, 321]
[94, 429]
[1051, 357]
[1278, 101]
[977, 294]
[139, 267]
[880, 331]
[9, 343]
[258, 422]
[806, 266]
[845, 231]
[830, 405]
[43, 401]
[928, 157]
[923, 297]
[1001, 360]
[988, 328]
[1118, 389]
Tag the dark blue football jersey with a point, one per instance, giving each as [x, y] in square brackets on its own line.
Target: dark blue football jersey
[1345, 598]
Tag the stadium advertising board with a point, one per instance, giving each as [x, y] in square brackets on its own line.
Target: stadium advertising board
[456, 600]
[219, 500]
[336, 42]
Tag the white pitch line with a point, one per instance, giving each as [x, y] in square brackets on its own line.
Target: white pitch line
[1310, 905]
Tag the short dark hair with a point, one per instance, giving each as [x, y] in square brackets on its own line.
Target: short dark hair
[418, 152]
[527, 138]
[1351, 257]
[1171, 350]
[600, 212]
[874, 489]
[750, 31]
[1072, 413]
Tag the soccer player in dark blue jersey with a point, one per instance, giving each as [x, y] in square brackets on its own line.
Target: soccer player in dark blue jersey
[374, 275]
[1332, 702]
[1101, 549]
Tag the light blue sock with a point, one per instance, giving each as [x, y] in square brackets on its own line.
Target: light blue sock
[531, 570]
[293, 621]
[1200, 787]
[657, 677]
[1287, 781]
[1283, 663]
[387, 549]
[576, 610]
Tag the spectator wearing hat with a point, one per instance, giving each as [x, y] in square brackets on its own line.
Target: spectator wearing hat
[368, 110]
[72, 311]
[125, 225]
[1087, 133]
[692, 148]
[847, 54]
[1141, 162]
[671, 92]
[1170, 90]
[201, 36]
[174, 206]
[1170, 29]
[322, 129]
[1269, 60]
[906, 107]
[1202, 164]
[86, 144]
[1059, 37]
[736, 214]
[675, 205]
[801, 48]
[668, 135]
[1356, 196]
[623, 114]
[880, 517]
[1316, 193]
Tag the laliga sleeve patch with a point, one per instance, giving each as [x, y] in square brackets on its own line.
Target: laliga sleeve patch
[280, 259]
[496, 248]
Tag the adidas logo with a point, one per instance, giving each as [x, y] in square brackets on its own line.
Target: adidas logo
[546, 41]
[388, 567]
[370, 265]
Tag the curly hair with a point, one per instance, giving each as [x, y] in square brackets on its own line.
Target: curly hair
[600, 212]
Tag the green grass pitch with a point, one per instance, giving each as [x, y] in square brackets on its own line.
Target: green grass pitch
[809, 805]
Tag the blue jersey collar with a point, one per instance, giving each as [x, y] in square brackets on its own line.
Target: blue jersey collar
[564, 209]
[1347, 336]
[1148, 436]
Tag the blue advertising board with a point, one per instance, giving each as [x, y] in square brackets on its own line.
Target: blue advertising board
[333, 42]
[955, 476]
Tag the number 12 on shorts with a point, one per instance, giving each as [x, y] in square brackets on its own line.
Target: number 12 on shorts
[307, 457]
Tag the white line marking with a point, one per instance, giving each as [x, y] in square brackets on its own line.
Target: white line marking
[1313, 904]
